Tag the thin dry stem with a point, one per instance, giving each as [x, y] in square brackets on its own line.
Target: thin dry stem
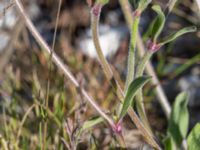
[23, 121]
[49, 74]
[60, 64]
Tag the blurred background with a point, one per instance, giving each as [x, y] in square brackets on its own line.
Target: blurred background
[26, 72]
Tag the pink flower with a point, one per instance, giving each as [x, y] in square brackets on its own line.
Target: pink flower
[118, 128]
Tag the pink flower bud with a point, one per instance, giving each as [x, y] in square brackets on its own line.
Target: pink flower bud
[118, 128]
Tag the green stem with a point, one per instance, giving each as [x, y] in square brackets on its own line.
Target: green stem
[95, 36]
[131, 56]
[109, 74]
[95, 15]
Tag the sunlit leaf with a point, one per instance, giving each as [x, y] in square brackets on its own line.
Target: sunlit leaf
[193, 139]
[177, 34]
[131, 92]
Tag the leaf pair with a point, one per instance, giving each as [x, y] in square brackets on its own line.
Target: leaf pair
[156, 27]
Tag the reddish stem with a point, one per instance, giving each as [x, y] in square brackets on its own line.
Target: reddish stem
[153, 47]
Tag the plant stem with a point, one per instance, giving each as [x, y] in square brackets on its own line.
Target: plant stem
[95, 36]
[105, 65]
[127, 12]
[149, 68]
[45, 124]
[109, 74]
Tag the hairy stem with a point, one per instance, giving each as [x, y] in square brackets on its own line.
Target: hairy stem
[149, 68]
[95, 13]
[104, 63]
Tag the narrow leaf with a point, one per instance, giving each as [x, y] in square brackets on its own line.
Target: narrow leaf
[193, 139]
[131, 92]
[179, 119]
[158, 23]
[177, 34]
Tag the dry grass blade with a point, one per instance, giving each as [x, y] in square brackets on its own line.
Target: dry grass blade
[23, 121]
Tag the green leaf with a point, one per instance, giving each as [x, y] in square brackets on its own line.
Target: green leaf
[179, 119]
[193, 139]
[177, 34]
[90, 123]
[169, 144]
[158, 23]
[131, 92]
[103, 2]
